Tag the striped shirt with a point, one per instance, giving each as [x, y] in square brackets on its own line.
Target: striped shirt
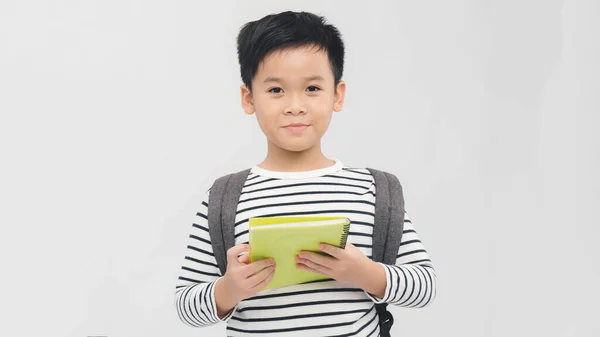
[327, 308]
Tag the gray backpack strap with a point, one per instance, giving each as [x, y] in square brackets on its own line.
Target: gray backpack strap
[222, 208]
[387, 232]
[389, 217]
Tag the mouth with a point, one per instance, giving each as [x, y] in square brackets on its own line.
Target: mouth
[296, 127]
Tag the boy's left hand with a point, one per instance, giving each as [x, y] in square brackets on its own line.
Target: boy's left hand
[344, 265]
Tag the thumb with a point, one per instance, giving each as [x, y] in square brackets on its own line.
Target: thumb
[244, 259]
[233, 252]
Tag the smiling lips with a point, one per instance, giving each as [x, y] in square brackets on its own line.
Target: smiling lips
[296, 127]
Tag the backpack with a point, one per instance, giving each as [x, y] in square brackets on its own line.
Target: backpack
[387, 231]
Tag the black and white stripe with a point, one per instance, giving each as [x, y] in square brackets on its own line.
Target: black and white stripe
[326, 308]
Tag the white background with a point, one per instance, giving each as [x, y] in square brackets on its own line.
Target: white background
[116, 116]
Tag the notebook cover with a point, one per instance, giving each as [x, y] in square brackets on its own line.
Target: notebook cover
[292, 235]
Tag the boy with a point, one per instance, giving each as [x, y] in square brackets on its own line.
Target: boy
[291, 66]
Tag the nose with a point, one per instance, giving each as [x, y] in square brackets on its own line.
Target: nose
[295, 107]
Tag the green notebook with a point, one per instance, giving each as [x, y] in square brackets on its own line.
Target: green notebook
[282, 238]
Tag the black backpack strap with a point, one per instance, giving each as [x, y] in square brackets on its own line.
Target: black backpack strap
[222, 208]
[387, 231]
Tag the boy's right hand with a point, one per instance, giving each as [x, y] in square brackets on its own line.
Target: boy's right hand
[242, 279]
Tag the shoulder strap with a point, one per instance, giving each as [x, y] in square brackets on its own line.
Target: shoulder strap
[222, 207]
[389, 216]
[387, 232]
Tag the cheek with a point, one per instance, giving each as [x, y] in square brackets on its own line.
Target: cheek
[267, 117]
[321, 113]
[322, 124]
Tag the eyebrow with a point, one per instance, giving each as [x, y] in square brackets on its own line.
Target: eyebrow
[307, 78]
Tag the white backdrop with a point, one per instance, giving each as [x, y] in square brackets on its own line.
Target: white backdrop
[117, 115]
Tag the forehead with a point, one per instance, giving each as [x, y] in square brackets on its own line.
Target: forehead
[295, 62]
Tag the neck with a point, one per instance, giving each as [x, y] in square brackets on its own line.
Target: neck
[279, 159]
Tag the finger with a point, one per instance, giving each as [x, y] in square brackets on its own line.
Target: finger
[257, 266]
[304, 267]
[260, 276]
[333, 250]
[321, 259]
[262, 284]
[321, 269]
[233, 252]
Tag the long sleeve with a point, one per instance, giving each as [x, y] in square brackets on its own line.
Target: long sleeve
[195, 289]
[412, 281]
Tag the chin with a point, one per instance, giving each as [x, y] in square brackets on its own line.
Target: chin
[296, 146]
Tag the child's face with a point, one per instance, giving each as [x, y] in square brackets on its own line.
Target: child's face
[294, 86]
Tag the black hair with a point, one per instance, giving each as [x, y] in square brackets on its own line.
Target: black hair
[257, 39]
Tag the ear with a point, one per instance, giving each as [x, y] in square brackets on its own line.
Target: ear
[338, 97]
[247, 100]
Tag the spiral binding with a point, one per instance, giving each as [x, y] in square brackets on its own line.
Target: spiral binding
[344, 238]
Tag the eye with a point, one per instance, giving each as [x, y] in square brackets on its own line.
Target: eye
[313, 88]
[276, 90]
